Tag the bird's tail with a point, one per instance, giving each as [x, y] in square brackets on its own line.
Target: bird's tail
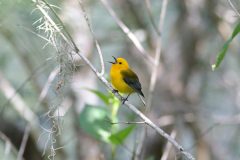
[142, 99]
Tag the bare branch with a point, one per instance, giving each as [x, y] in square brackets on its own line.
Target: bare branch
[71, 44]
[128, 32]
[151, 16]
[130, 106]
[40, 99]
[18, 103]
[94, 38]
[234, 8]
[24, 142]
[124, 122]
[35, 33]
[55, 26]
[153, 77]
[9, 146]
[168, 147]
[202, 135]
[38, 70]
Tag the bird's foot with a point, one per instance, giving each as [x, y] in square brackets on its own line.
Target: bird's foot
[124, 100]
[114, 91]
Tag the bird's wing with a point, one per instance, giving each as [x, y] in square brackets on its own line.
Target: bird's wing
[131, 79]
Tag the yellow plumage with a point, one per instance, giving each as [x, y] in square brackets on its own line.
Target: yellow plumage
[124, 79]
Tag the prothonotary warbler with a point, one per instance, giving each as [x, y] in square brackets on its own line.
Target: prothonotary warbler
[124, 80]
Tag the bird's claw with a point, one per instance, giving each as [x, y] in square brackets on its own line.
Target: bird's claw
[123, 100]
[114, 91]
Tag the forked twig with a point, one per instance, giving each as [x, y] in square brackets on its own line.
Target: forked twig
[130, 106]
[129, 33]
[33, 74]
[35, 33]
[151, 16]
[153, 77]
[40, 100]
[94, 38]
[9, 146]
[55, 26]
[24, 142]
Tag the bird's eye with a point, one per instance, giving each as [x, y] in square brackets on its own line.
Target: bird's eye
[120, 62]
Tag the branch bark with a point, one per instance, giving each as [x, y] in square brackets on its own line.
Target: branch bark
[233, 8]
[153, 78]
[109, 86]
[129, 33]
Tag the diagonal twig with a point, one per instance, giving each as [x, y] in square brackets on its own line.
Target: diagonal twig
[24, 142]
[168, 146]
[35, 33]
[203, 134]
[55, 26]
[40, 100]
[234, 8]
[153, 78]
[129, 33]
[38, 70]
[130, 106]
[151, 16]
[94, 38]
[9, 146]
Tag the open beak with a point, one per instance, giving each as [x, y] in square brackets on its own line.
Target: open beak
[115, 60]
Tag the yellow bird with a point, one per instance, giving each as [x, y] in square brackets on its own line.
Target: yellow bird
[124, 80]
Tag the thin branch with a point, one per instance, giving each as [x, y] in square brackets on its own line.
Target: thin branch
[136, 111]
[202, 135]
[130, 106]
[24, 142]
[128, 32]
[36, 71]
[9, 146]
[35, 33]
[153, 78]
[151, 16]
[112, 123]
[168, 147]
[40, 100]
[234, 8]
[55, 26]
[157, 56]
[18, 103]
[71, 44]
[94, 38]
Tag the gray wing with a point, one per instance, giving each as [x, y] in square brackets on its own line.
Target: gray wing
[131, 79]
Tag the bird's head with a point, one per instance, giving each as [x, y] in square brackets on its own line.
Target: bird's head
[119, 63]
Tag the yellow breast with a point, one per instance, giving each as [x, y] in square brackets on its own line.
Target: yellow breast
[118, 82]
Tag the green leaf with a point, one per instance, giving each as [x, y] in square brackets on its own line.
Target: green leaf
[236, 30]
[102, 96]
[121, 135]
[222, 54]
[92, 121]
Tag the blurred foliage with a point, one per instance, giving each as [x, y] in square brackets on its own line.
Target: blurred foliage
[92, 121]
[188, 98]
[119, 137]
